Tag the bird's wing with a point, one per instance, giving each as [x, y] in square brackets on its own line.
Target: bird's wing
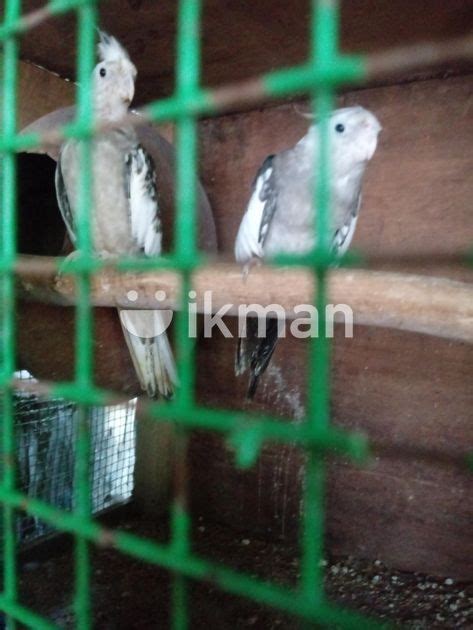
[140, 189]
[63, 200]
[144, 330]
[253, 352]
[258, 216]
[344, 234]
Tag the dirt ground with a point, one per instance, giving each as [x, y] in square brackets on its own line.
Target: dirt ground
[129, 594]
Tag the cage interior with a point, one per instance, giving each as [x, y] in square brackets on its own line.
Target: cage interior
[251, 520]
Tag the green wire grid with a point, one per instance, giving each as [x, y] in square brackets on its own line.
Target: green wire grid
[320, 76]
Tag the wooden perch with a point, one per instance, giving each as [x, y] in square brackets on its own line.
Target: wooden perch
[435, 306]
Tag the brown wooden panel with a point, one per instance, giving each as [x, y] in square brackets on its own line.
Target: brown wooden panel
[418, 185]
[395, 386]
[398, 387]
[242, 38]
[40, 92]
[417, 188]
[414, 517]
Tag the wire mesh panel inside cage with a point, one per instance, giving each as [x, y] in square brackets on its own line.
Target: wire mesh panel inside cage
[46, 432]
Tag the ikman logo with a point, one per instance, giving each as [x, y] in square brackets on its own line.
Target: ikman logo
[146, 324]
[303, 320]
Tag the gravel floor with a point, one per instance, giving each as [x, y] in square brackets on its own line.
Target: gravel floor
[128, 594]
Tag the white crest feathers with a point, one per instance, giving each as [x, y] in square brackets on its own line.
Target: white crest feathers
[110, 49]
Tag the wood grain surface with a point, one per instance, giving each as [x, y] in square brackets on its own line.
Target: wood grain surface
[243, 38]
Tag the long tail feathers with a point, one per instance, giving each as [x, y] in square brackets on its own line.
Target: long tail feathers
[151, 354]
[254, 353]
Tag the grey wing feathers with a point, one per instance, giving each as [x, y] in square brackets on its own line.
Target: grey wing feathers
[63, 201]
[152, 355]
[256, 221]
[140, 189]
[268, 194]
[253, 352]
[344, 234]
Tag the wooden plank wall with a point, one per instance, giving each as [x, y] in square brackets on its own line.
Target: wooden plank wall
[402, 387]
[242, 38]
[393, 385]
[41, 92]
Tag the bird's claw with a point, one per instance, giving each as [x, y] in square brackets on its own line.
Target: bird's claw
[253, 262]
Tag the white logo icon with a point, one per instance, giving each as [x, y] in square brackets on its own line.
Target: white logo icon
[146, 324]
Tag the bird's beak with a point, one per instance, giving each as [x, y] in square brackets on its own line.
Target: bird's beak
[128, 93]
[372, 125]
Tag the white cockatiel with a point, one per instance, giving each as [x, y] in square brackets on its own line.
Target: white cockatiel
[281, 218]
[125, 216]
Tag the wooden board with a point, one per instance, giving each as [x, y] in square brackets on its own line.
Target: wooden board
[401, 387]
[243, 38]
[417, 189]
[40, 92]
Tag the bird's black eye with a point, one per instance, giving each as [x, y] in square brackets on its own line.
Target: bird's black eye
[339, 128]
[103, 72]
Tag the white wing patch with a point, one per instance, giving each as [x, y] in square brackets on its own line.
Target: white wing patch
[144, 212]
[255, 223]
[344, 236]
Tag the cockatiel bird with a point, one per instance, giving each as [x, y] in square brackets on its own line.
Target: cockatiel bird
[125, 217]
[280, 217]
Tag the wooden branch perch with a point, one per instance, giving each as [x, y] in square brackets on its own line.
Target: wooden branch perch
[435, 306]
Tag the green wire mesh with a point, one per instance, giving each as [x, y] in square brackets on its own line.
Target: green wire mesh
[319, 77]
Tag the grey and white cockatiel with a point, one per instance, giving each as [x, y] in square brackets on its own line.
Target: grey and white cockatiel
[280, 217]
[125, 217]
